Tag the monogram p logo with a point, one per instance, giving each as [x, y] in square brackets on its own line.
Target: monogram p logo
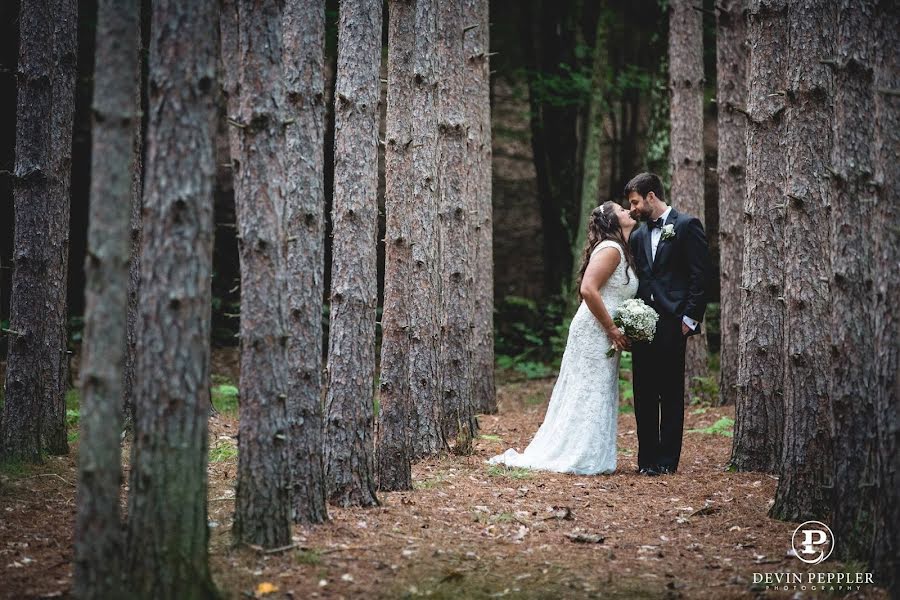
[812, 542]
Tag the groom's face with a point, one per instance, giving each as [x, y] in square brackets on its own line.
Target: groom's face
[640, 206]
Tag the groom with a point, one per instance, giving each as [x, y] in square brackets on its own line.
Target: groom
[672, 260]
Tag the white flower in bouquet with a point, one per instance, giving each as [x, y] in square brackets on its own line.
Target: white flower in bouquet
[637, 320]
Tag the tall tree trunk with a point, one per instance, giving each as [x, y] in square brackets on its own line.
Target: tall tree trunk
[853, 233]
[805, 472]
[304, 79]
[134, 264]
[167, 518]
[548, 36]
[393, 449]
[886, 310]
[263, 499]
[354, 276]
[759, 403]
[56, 367]
[476, 44]
[424, 290]
[455, 213]
[590, 183]
[98, 530]
[732, 54]
[686, 136]
[24, 393]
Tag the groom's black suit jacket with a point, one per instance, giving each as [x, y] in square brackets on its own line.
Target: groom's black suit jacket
[677, 280]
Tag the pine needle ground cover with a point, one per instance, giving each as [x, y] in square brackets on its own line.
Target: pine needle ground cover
[467, 530]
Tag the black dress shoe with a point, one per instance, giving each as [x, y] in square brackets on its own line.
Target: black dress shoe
[649, 471]
[664, 470]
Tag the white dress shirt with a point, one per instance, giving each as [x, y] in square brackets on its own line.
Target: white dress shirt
[655, 236]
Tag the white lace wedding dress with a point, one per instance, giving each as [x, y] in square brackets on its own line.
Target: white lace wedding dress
[578, 434]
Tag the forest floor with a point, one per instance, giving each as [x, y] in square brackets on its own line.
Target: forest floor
[469, 530]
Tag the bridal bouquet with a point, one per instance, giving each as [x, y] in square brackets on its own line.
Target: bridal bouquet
[637, 320]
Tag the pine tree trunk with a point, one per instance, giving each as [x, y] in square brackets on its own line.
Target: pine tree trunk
[24, 392]
[354, 277]
[424, 292]
[732, 54]
[476, 44]
[393, 449]
[806, 462]
[852, 227]
[886, 310]
[590, 183]
[759, 403]
[263, 498]
[167, 518]
[98, 531]
[455, 214]
[303, 68]
[686, 137]
[134, 264]
[56, 371]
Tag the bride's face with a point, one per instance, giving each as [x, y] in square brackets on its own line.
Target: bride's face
[625, 220]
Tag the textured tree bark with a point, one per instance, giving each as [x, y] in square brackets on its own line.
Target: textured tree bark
[853, 234]
[456, 242]
[354, 276]
[548, 34]
[167, 518]
[134, 264]
[393, 448]
[759, 403]
[590, 182]
[476, 44]
[55, 367]
[806, 462]
[98, 531]
[424, 290]
[732, 54]
[304, 79]
[20, 436]
[886, 310]
[686, 136]
[263, 498]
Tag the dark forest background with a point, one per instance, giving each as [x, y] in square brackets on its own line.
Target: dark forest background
[541, 83]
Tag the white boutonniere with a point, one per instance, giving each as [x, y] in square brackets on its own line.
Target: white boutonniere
[668, 232]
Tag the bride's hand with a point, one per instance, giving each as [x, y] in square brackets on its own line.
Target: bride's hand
[618, 338]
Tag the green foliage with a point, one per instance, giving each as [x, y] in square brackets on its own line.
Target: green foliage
[705, 390]
[490, 438]
[724, 426]
[223, 451]
[530, 338]
[76, 330]
[431, 482]
[225, 398]
[534, 399]
[14, 467]
[73, 414]
[309, 556]
[511, 472]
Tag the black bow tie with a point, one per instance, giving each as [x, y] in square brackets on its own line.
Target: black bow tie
[657, 223]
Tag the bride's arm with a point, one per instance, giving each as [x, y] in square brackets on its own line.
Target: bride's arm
[599, 270]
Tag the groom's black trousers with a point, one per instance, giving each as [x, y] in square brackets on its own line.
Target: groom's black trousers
[658, 379]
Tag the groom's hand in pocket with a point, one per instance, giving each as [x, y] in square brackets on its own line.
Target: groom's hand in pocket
[685, 330]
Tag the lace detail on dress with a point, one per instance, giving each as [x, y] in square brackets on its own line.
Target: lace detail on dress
[578, 434]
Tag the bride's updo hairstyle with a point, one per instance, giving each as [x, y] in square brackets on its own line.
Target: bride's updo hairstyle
[604, 225]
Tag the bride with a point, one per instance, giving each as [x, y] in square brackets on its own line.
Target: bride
[578, 434]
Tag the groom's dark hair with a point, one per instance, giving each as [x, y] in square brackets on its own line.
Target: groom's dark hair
[645, 183]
